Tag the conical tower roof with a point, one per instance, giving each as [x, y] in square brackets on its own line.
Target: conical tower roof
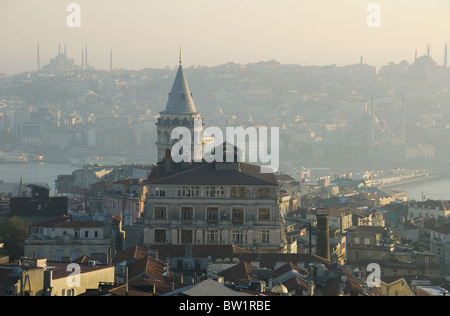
[180, 98]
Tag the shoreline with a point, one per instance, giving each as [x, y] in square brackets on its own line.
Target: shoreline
[438, 175]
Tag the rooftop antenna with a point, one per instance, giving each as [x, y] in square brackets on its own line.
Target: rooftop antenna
[181, 57]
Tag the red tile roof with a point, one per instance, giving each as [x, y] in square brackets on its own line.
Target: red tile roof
[215, 251]
[135, 252]
[240, 271]
[147, 266]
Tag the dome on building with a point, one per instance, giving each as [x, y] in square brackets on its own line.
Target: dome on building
[280, 289]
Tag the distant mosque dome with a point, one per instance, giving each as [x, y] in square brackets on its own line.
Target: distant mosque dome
[280, 289]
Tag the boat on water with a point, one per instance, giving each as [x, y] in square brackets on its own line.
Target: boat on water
[8, 158]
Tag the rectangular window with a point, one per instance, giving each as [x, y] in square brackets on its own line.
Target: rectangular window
[160, 235]
[264, 214]
[186, 236]
[366, 241]
[86, 234]
[212, 214]
[161, 192]
[238, 237]
[238, 192]
[214, 192]
[356, 240]
[212, 237]
[187, 213]
[188, 191]
[96, 234]
[263, 193]
[238, 216]
[160, 213]
[263, 236]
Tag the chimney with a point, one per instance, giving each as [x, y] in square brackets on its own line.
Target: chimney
[323, 236]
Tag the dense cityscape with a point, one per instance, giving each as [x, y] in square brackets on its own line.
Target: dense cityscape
[94, 203]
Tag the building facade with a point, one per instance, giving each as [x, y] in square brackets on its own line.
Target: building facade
[440, 246]
[64, 239]
[213, 203]
[370, 244]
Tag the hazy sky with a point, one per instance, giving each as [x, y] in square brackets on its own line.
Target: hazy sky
[148, 33]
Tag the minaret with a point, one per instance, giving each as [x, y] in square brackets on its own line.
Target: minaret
[415, 56]
[59, 56]
[404, 118]
[373, 122]
[428, 50]
[110, 61]
[445, 56]
[38, 59]
[65, 49]
[86, 64]
[82, 59]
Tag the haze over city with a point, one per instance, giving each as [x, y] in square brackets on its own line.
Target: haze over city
[147, 34]
[225, 148]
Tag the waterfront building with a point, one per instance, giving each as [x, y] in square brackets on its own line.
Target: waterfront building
[438, 210]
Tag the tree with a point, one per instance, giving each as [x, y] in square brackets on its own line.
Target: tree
[13, 232]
